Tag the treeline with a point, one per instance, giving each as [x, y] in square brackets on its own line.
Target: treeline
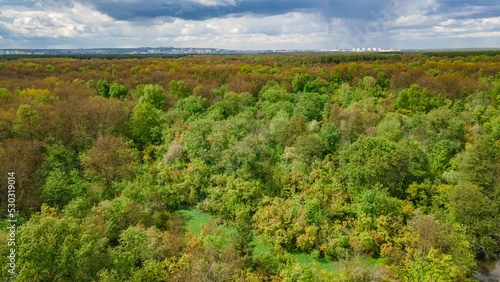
[353, 57]
[394, 160]
[10, 57]
[465, 53]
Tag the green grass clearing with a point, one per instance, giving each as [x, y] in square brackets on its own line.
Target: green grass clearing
[194, 219]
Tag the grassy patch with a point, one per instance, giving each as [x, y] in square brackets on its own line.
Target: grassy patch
[194, 219]
[334, 266]
[324, 263]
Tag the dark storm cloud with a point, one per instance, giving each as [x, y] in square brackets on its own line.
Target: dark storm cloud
[134, 10]
[17, 3]
[451, 4]
[5, 32]
[471, 9]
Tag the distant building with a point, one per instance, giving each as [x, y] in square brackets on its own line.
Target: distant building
[14, 52]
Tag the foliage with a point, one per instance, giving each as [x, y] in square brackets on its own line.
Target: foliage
[145, 123]
[117, 90]
[331, 137]
[110, 159]
[374, 161]
[152, 94]
[413, 99]
[312, 166]
[179, 89]
[103, 88]
[49, 243]
[61, 187]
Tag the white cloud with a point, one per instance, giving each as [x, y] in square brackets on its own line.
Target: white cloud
[413, 20]
[479, 34]
[62, 46]
[449, 22]
[71, 23]
[250, 32]
[77, 20]
[215, 2]
[452, 28]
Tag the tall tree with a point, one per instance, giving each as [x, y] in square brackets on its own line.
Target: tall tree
[154, 95]
[109, 158]
[146, 124]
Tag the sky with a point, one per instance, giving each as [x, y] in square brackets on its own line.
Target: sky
[250, 24]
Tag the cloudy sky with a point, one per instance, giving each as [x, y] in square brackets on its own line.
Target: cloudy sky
[250, 24]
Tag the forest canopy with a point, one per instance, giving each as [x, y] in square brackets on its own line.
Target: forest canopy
[311, 167]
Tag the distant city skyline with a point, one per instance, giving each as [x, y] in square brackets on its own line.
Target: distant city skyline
[250, 24]
[174, 50]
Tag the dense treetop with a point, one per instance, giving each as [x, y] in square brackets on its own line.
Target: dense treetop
[336, 157]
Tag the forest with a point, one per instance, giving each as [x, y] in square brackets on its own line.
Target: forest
[268, 167]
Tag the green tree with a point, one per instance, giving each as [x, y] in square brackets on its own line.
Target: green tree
[480, 216]
[50, 67]
[145, 122]
[310, 105]
[413, 99]
[179, 89]
[331, 137]
[154, 95]
[434, 266]
[374, 161]
[310, 147]
[383, 80]
[197, 144]
[479, 164]
[345, 94]
[58, 157]
[376, 202]
[299, 81]
[230, 194]
[152, 271]
[442, 134]
[336, 77]
[103, 87]
[131, 251]
[116, 90]
[284, 130]
[191, 104]
[54, 248]
[61, 187]
[244, 236]
[273, 93]
[247, 158]
[391, 127]
[136, 69]
[429, 249]
[26, 122]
